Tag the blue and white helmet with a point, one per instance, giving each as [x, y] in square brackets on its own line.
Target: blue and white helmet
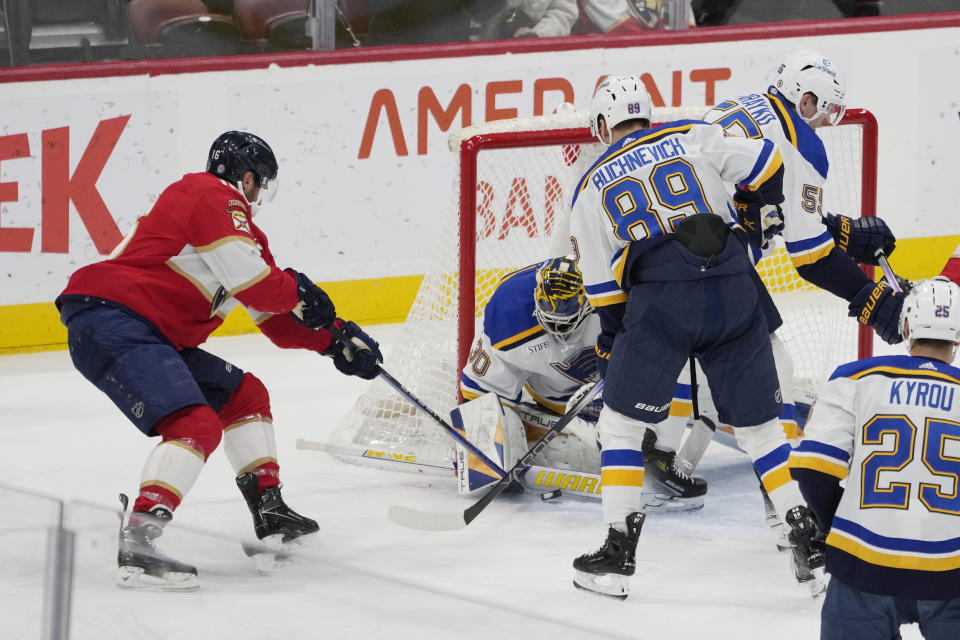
[932, 310]
[806, 71]
[618, 99]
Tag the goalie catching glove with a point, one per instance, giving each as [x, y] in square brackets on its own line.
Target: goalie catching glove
[878, 306]
[354, 352]
[861, 238]
[761, 221]
[315, 309]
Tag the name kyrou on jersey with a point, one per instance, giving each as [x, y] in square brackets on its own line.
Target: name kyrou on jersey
[922, 394]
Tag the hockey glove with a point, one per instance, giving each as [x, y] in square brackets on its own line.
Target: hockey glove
[861, 238]
[876, 305]
[761, 221]
[356, 354]
[315, 309]
[603, 347]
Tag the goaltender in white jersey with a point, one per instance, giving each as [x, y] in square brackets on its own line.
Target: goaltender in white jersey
[889, 426]
[534, 351]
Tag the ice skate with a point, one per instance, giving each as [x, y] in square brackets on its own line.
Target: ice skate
[807, 559]
[279, 528]
[606, 571]
[141, 564]
[780, 532]
[661, 466]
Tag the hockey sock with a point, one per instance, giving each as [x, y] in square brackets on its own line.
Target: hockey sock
[248, 437]
[767, 447]
[621, 466]
[189, 436]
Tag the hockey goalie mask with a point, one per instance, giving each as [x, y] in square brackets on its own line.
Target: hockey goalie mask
[806, 71]
[618, 99]
[932, 310]
[561, 303]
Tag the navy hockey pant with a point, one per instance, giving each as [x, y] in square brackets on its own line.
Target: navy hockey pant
[719, 320]
[143, 374]
[851, 614]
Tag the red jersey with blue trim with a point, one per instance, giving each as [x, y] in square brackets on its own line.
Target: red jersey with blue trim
[190, 261]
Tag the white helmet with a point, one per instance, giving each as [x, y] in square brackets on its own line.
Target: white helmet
[932, 310]
[618, 99]
[805, 71]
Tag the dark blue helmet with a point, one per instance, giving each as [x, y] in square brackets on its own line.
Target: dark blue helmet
[236, 152]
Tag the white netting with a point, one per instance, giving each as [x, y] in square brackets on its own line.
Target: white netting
[522, 201]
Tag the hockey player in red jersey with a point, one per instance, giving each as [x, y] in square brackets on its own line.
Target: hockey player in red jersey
[952, 268]
[134, 325]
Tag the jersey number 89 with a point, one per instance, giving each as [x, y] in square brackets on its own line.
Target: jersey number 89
[674, 184]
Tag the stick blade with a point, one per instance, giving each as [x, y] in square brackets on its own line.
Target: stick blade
[425, 520]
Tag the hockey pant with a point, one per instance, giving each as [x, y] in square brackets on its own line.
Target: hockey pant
[670, 431]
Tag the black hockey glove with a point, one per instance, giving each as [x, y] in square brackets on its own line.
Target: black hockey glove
[760, 221]
[860, 238]
[356, 353]
[603, 348]
[315, 309]
[877, 305]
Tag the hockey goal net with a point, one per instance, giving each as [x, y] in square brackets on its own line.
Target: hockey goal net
[511, 203]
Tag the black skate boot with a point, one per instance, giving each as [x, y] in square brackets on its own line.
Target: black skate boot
[278, 526]
[807, 558]
[142, 565]
[605, 571]
[661, 466]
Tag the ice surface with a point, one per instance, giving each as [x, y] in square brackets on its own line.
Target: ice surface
[712, 574]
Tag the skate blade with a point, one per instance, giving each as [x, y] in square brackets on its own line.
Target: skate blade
[610, 585]
[658, 502]
[816, 584]
[272, 554]
[135, 578]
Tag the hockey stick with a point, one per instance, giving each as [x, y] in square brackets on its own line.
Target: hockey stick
[415, 401]
[888, 271]
[382, 457]
[433, 521]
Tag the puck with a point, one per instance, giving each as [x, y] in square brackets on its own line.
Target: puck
[550, 495]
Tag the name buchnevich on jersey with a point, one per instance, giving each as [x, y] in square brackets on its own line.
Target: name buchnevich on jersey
[629, 161]
[922, 394]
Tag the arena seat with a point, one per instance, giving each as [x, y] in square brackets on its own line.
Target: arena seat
[282, 22]
[183, 28]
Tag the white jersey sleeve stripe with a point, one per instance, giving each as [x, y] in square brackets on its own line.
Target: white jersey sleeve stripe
[767, 164]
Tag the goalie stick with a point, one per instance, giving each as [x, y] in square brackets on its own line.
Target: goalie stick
[415, 401]
[434, 521]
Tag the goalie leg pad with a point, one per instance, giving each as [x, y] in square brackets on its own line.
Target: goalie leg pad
[784, 362]
[494, 430]
[576, 448]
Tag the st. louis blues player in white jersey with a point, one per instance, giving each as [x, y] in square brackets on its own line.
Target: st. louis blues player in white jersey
[808, 92]
[651, 226]
[538, 334]
[534, 351]
[536, 348]
[890, 427]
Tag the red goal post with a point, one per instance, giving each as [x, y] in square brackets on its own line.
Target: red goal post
[471, 147]
[510, 197]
